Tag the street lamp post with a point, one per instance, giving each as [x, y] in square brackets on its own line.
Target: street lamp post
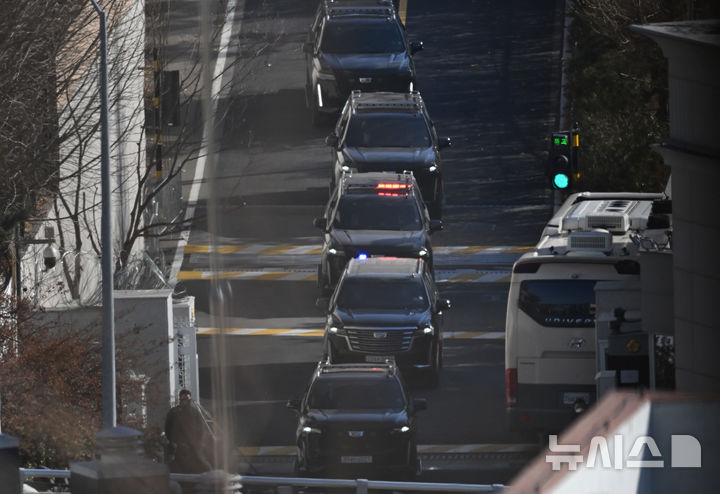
[109, 414]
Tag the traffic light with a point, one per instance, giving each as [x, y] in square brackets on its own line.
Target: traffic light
[563, 163]
[560, 160]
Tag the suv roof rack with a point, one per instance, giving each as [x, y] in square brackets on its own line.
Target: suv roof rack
[380, 8]
[408, 101]
[404, 179]
[388, 367]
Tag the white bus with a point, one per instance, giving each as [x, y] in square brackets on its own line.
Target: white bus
[550, 325]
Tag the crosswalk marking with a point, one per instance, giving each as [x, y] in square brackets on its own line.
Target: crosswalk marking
[441, 276]
[289, 249]
[458, 335]
[424, 449]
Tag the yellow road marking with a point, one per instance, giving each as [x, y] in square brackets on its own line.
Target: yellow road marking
[190, 275]
[196, 249]
[272, 275]
[465, 277]
[270, 331]
[520, 250]
[279, 249]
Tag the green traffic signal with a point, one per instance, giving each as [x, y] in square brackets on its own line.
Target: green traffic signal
[560, 181]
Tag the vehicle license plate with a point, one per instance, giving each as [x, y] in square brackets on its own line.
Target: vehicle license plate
[356, 459]
[379, 359]
[569, 398]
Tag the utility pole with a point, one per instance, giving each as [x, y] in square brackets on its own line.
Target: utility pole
[109, 414]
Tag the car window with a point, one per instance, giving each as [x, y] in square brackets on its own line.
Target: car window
[356, 394]
[365, 212]
[388, 130]
[362, 37]
[363, 293]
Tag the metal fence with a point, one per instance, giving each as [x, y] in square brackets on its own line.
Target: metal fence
[286, 485]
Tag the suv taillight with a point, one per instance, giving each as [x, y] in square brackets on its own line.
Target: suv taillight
[511, 383]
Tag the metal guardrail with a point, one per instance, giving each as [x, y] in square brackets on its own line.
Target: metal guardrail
[361, 486]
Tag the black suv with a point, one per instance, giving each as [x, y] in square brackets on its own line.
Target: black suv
[355, 44]
[356, 418]
[386, 309]
[390, 132]
[373, 214]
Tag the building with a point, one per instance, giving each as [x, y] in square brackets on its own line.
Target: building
[71, 223]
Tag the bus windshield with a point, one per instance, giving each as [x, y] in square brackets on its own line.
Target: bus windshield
[559, 303]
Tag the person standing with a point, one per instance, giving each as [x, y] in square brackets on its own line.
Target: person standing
[187, 432]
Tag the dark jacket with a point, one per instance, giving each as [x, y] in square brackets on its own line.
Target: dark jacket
[187, 432]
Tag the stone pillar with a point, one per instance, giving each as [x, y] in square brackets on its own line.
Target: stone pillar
[121, 469]
[10, 464]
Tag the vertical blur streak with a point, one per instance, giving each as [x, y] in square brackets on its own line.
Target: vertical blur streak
[220, 389]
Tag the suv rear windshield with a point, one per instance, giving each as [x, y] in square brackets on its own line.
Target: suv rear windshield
[351, 393]
[363, 293]
[377, 212]
[559, 303]
[362, 37]
[402, 130]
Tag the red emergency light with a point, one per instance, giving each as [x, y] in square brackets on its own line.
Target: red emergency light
[392, 186]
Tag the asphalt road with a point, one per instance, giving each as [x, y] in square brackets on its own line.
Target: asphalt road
[490, 76]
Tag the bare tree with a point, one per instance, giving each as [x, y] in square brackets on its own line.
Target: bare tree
[134, 122]
[617, 87]
[50, 382]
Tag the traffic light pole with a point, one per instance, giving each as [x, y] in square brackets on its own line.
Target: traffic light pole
[567, 19]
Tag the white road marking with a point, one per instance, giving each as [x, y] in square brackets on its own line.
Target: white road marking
[220, 67]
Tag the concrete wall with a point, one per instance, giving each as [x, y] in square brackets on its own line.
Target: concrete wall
[693, 152]
[164, 353]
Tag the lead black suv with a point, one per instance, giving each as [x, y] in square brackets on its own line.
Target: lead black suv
[355, 44]
[373, 214]
[386, 131]
[359, 419]
[386, 309]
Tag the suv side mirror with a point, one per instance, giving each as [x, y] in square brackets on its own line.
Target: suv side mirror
[444, 142]
[307, 47]
[419, 404]
[322, 303]
[320, 222]
[443, 304]
[332, 140]
[293, 404]
[416, 46]
[436, 226]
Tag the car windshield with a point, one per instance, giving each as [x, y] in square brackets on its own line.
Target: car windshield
[401, 130]
[364, 293]
[376, 212]
[351, 393]
[362, 37]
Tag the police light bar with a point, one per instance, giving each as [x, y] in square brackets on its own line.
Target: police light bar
[392, 186]
[362, 256]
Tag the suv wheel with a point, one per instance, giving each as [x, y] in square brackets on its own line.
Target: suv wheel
[434, 371]
[308, 97]
[318, 118]
[327, 353]
[323, 283]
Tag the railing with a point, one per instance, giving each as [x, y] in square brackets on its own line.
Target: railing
[284, 484]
